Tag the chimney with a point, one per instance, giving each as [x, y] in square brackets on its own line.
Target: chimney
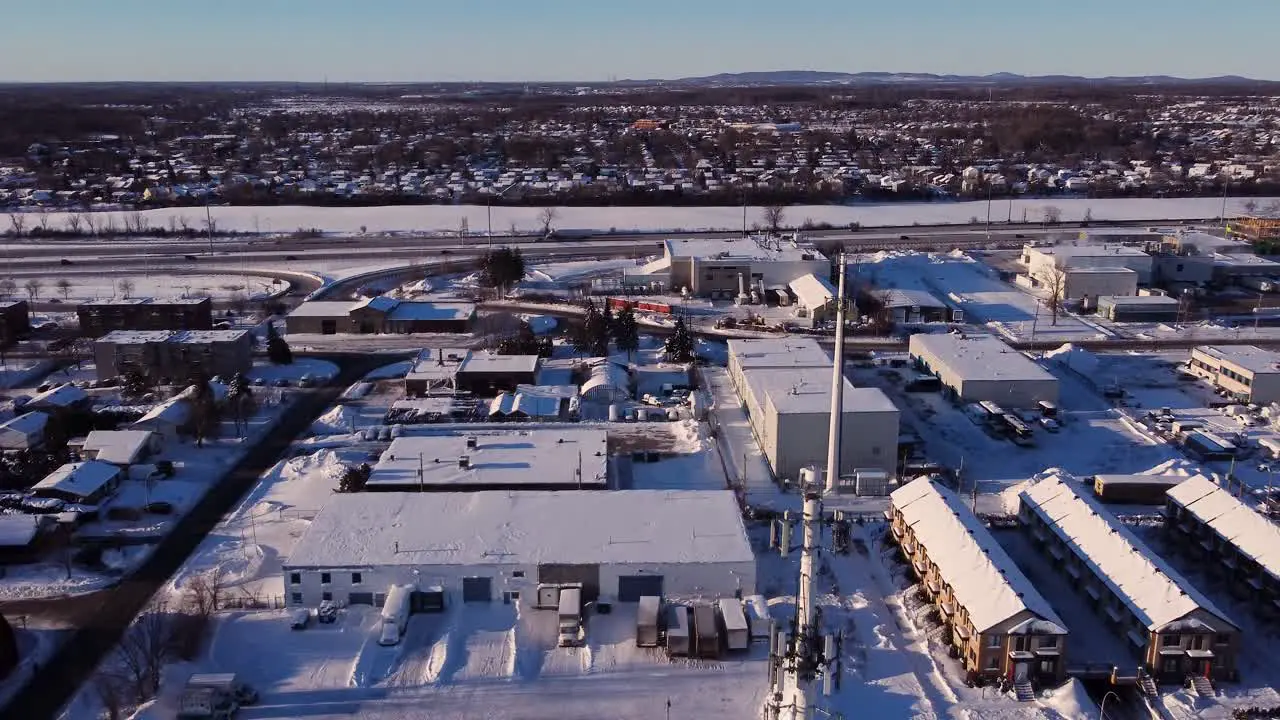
[464, 462]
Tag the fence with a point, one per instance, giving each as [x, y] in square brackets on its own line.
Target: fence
[251, 602]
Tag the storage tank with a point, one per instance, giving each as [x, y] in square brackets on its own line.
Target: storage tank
[615, 412]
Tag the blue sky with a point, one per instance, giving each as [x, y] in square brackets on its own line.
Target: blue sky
[593, 40]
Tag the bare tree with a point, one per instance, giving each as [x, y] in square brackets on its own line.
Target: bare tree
[238, 302]
[547, 217]
[139, 222]
[1052, 214]
[18, 223]
[146, 646]
[90, 223]
[173, 225]
[1250, 206]
[513, 229]
[108, 227]
[126, 287]
[44, 222]
[64, 287]
[464, 227]
[774, 216]
[73, 222]
[1088, 215]
[33, 287]
[1053, 279]
[204, 592]
[8, 287]
[1272, 210]
[110, 689]
[184, 223]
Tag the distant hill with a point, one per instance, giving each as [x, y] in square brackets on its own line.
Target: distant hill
[820, 77]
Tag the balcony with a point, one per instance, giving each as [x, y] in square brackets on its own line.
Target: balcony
[948, 608]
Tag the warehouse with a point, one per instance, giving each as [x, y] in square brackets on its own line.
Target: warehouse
[790, 414]
[496, 546]
[978, 368]
[771, 353]
[486, 374]
[1244, 371]
[380, 314]
[1091, 282]
[815, 299]
[434, 369]
[1000, 625]
[1236, 540]
[1167, 623]
[908, 305]
[725, 268]
[1042, 262]
[1138, 308]
[507, 460]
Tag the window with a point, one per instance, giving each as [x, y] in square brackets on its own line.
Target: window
[993, 641]
[1049, 641]
[295, 578]
[325, 579]
[295, 598]
[1222, 639]
[993, 662]
[356, 578]
[517, 573]
[326, 595]
[1170, 640]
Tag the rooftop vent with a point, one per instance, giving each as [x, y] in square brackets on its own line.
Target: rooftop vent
[464, 462]
[472, 442]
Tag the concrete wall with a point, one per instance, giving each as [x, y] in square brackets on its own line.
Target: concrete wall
[700, 579]
[794, 440]
[1006, 393]
[1038, 263]
[1081, 284]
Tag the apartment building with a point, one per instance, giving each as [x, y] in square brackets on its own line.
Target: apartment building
[1174, 632]
[15, 321]
[1235, 541]
[99, 317]
[176, 355]
[999, 625]
[1248, 373]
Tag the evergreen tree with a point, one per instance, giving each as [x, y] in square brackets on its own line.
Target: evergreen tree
[580, 336]
[524, 343]
[134, 384]
[626, 334]
[595, 329]
[278, 351]
[204, 409]
[679, 347]
[502, 268]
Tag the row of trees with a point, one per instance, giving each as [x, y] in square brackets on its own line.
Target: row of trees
[599, 326]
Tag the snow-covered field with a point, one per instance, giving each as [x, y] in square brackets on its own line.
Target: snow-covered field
[158, 285]
[447, 218]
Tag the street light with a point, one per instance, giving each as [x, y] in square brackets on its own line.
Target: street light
[1102, 710]
[488, 205]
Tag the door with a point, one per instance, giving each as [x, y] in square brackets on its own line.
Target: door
[1021, 671]
[328, 327]
[477, 589]
[632, 587]
[588, 576]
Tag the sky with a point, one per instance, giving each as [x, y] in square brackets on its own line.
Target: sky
[599, 40]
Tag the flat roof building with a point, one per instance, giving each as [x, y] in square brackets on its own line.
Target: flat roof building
[723, 268]
[380, 314]
[1042, 259]
[1139, 308]
[177, 354]
[1246, 372]
[1172, 628]
[1000, 624]
[571, 459]
[982, 367]
[490, 546]
[488, 373]
[99, 317]
[15, 321]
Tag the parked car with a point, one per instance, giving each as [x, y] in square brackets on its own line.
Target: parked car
[299, 619]
[327, 612]
[1050, 424]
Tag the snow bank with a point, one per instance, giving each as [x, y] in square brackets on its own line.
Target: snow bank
[357, 391]
[340, 419]
[1074, 358]
[1071, 701]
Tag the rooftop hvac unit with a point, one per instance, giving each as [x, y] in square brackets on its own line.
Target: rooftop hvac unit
[472, 442]
[464, 462]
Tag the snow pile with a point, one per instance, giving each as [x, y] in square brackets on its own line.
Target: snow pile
[340, 419]
[1176, 466]
[540, 324]
[1074, 358]
[690, 437]
[389, 372]
[356, 391]
[1071, 701]
[1009, 496]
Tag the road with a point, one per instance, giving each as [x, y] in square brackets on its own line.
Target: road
[98, 624]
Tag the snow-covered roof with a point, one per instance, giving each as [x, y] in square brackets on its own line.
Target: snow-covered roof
[26, 423]
[207, 336]
[779, 353]
[62, 396]
[381, 303]
[983, 577]
[407, 310]
[146, 301]
[437, 364]
[1156, 301]
[119, 447]
[487, 362]
[1255, 536]
[910, 297]
[135, 337]
[980, 357]
[808, 390]
[1098, 270]
[18, 530]
[739, 249]
[323, 309]
[1148, 586]
[1067, 252]
[80, 479]
[525, 528]
[812, 291]
[560, 391]
[174, 411]
[608, 381]
[528, 404]
[140, 337]
[507, 459]
[1251, 358]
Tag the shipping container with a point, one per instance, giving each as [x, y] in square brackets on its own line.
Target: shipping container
[647, 612]
[1134, 489]
[677, 630]
[706, 632]
[737, 635]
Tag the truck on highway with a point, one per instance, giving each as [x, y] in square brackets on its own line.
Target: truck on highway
[570, 234]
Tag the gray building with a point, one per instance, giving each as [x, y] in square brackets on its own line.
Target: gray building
[176, 355]
[99, 317]
[977, 368]
[1139, 308]
[380, 314]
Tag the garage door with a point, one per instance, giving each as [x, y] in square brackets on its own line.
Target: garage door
[360, 598]
[632, 587]
[588, 576]
[476, 589]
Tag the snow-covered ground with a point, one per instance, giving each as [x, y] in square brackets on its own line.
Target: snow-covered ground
[156, 284]
[320, 371]
[447, 218]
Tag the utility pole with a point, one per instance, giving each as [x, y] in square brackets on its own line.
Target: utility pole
[837, 388]
[208, 224]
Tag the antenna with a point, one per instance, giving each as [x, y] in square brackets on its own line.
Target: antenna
[837, 388]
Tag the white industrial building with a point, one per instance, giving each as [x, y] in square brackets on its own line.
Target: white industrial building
[1249, 373]
[815, 298]
[1040, 260]
[725, 268]
[785, 385]
[568, 459]
[982, 367]
[490, 546]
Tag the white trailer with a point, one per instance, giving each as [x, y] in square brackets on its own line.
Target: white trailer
[395, 614]
[647, 621]
[570, 614]
[737, 636]
[677, 630]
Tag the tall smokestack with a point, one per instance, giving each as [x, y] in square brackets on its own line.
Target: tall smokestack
[837, 391]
